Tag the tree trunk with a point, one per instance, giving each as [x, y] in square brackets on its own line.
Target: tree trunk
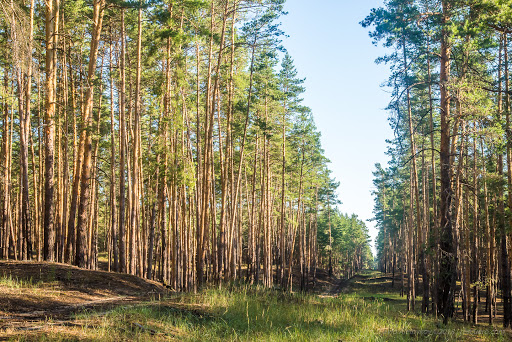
[448, 260]
[122, 152]
[113, 193]
[52, 34]
[85, 182]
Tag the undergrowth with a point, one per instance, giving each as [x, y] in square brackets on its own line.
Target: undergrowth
[11, 281]
[257, 314]
[366, 310]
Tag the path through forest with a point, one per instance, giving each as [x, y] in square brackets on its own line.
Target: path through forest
[378, 286]
[53, 301]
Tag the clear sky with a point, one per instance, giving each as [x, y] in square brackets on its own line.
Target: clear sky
[336, 56]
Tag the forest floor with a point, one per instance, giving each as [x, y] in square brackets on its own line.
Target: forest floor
[56, 302]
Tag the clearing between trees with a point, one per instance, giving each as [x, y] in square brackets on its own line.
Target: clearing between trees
[51, 301]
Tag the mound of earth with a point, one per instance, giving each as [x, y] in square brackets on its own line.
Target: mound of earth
[40, 290]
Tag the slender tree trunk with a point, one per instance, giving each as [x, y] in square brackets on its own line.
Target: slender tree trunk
[6, 186]
[122, 150]
[505, 262]
[135, 207]
[52, 34]
[414, 184]
[113, 193]
[77, 159]
[85, 186]
[448, 260]
[475, 235]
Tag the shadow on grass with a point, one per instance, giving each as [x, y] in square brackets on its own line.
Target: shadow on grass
[248, 314]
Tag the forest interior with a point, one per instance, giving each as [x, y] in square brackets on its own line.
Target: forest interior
[161, 177]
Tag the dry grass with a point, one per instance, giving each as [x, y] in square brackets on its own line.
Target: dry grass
[54, 302]
[38, 297]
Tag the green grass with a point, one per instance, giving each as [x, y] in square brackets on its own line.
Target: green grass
[17, 283]
[256, 314]
[248, 313]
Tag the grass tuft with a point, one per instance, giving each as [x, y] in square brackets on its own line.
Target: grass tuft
[18, 283]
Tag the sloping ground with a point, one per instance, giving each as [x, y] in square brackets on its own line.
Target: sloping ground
[31, 293]
[52, 301]
[55, 302]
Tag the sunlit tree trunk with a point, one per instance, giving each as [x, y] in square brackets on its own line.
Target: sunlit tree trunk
[52, 34]
[122, 149]
[85, 182]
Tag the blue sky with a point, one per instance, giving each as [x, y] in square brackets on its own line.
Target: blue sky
[336, 56]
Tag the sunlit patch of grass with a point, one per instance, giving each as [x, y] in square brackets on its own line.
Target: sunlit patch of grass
[18, 283]
[253, 313]
[103, 257]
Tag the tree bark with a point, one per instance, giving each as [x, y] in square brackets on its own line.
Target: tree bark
[448, 259]
[85, 182]
[52, 34]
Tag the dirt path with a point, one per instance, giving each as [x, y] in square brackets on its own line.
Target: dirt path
[341, 286]
[364, 282]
